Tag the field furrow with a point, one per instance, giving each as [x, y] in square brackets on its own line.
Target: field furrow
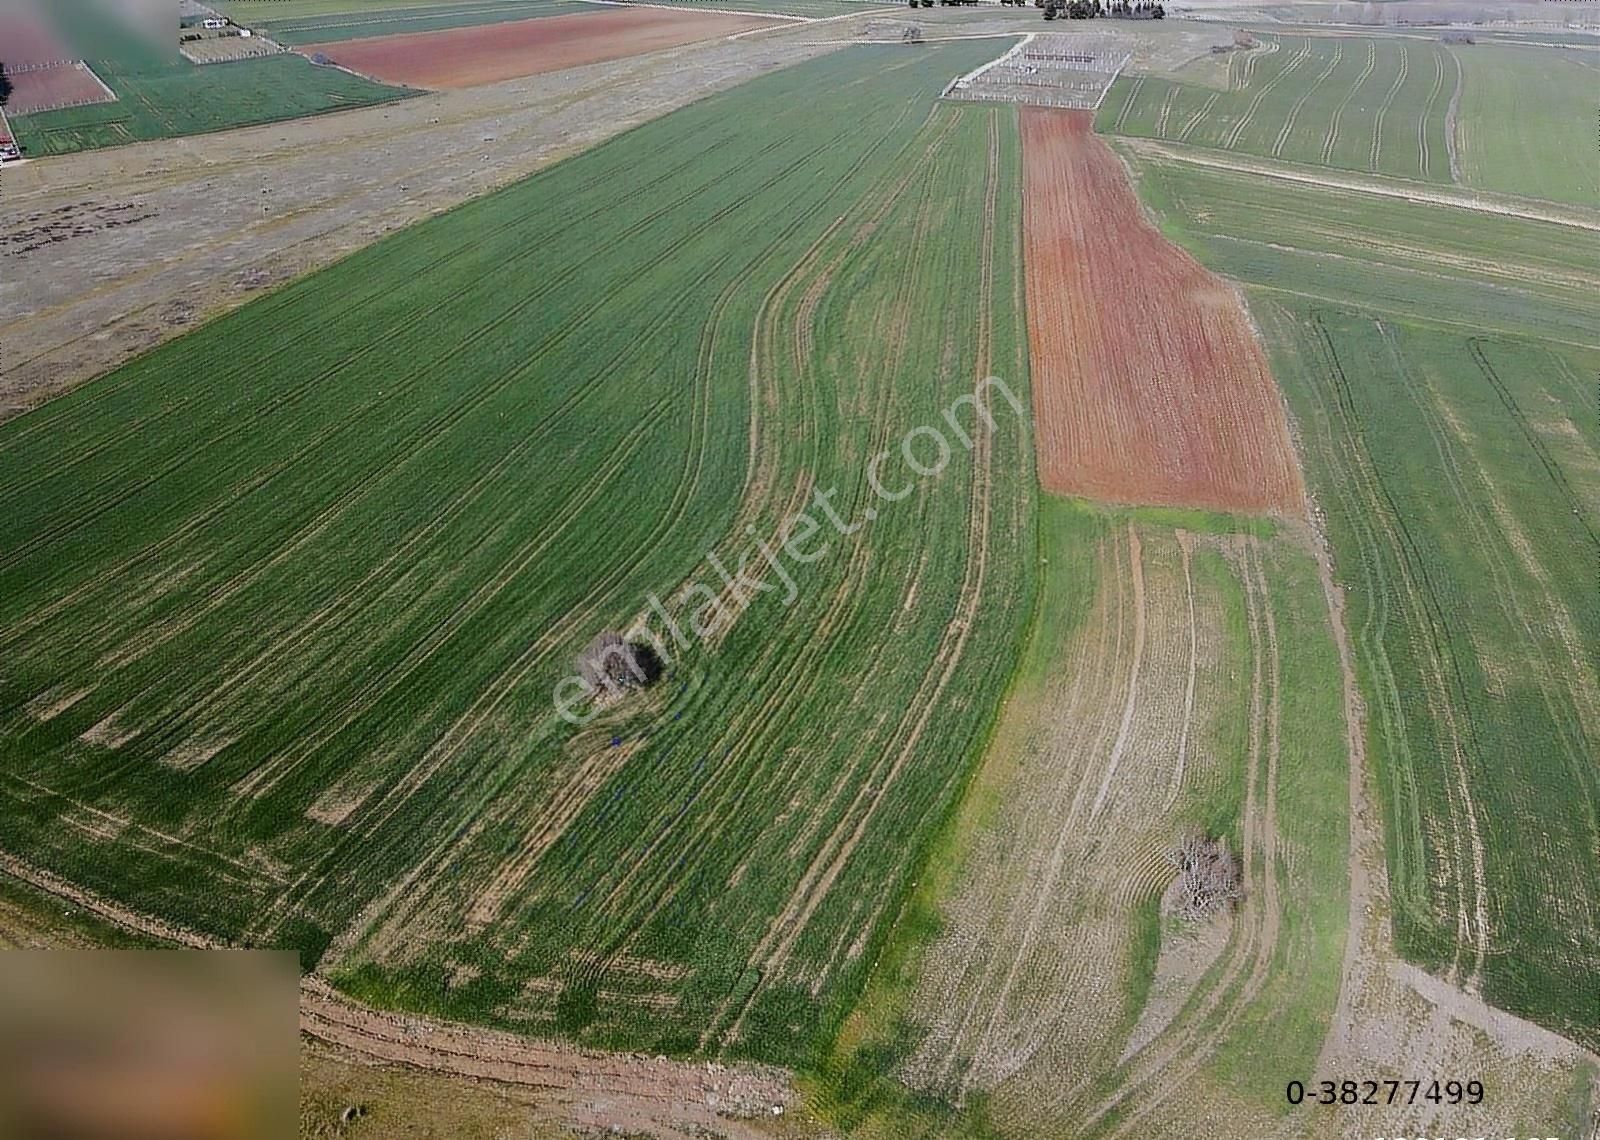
[1330, 141]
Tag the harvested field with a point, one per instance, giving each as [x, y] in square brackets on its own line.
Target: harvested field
[467, 57]
[1149, 385]
[64, 85]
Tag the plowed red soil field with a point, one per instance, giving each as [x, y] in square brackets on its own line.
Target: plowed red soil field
[467, 57]
[1149, 385]
[66, 85]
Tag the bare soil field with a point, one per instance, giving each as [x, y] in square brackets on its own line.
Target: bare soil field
[64, 85]
[1149, 385]
[224, 49]
[1023, 988]
[118, 250]
[468, 57]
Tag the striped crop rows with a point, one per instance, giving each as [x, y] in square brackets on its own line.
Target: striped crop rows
[1354, 103]
[280, 639]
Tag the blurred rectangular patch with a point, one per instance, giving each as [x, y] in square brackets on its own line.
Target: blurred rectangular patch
[148, 1044]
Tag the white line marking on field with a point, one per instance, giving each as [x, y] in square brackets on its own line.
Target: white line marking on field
[1016, 49]
[1106, 89]
[1364, 186]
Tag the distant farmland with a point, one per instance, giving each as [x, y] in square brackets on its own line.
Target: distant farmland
[162, 95]
[296, 22]
[466, 57]
[301, 22]
[1441, 373]
[1356, 103]
[169, 100]
[280, 641]
[1150, 385]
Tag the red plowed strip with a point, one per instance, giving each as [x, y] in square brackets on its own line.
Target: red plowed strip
[466, 57]
[65, 86]
[1148, 383]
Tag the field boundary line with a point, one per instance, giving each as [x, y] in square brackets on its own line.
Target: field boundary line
[1110, 83]
[894, 42]
[962, 80]
[113, 912]
[1356, 182]
[409, 12]
[452, 1047]
[124, 822]
[1357, 304]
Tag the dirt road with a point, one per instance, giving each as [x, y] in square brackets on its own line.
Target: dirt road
[1362, 184]
[583, 1088]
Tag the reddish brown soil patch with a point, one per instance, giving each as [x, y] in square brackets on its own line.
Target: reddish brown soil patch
[467, 57]
[67, 85]
[1148, 383]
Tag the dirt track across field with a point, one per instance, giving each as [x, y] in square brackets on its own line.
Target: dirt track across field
[489, 53]
[1149, 383]
[111, 252]
[1377, 185]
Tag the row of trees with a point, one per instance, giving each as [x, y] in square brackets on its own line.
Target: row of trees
[1116, 9]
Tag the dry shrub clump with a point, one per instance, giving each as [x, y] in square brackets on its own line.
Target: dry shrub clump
[1209, 877]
